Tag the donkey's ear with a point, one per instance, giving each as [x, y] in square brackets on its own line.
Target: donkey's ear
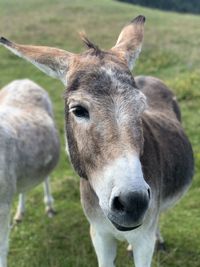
[129, 42]
[54, 62]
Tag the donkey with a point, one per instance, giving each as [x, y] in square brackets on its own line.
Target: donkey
[29, 147]
[124, 139]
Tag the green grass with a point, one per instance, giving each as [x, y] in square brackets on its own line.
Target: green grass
[170, 52]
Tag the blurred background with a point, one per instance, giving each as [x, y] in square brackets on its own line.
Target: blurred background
[182, 6]
[171, 52]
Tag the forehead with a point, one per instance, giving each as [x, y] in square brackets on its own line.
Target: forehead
[100, 76]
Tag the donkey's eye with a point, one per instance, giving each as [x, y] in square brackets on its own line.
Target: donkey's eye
[80, 112]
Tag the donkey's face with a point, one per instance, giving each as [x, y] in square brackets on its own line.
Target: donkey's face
[103, 120]
[104, 135]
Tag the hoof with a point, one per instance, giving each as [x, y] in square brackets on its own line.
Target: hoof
[18, 218]
[160, 247]
[50, 212]
[17, 221]
[130, 251]
[130, 254]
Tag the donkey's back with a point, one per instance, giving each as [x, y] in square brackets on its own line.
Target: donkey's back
[27, 127]
[25, 94]
[167, 158]
[159, 97]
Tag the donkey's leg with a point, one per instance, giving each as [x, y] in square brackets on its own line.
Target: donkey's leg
[48, 199]
[143, 249]
[4, 232]
[20, 209]
[105, 247]
[160, 243]
[159, 246]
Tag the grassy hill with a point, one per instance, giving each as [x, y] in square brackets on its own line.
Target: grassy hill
[170, 52]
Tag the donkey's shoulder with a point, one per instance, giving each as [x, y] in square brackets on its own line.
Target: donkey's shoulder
[159, 96]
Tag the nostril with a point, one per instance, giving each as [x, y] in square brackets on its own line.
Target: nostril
[149, 193]
[117, 204]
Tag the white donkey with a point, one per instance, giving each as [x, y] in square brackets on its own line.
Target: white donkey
[29, 146]
[124, 138]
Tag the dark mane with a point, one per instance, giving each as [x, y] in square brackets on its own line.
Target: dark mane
[91, 46]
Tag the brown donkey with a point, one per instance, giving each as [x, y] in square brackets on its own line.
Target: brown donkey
[124, 139]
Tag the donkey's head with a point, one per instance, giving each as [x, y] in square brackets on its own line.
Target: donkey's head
[103, 111]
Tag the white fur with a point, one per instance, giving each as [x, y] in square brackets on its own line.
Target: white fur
[132, 57]
[20, 208]
[124, 174]
[105, 247]
[48, 198]
[104, 238]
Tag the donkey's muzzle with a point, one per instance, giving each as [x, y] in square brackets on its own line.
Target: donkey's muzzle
[128, 209]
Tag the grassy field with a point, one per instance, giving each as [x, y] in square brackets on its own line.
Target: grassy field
[170, 52]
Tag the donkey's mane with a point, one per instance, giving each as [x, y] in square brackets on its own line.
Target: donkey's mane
[90, 45]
